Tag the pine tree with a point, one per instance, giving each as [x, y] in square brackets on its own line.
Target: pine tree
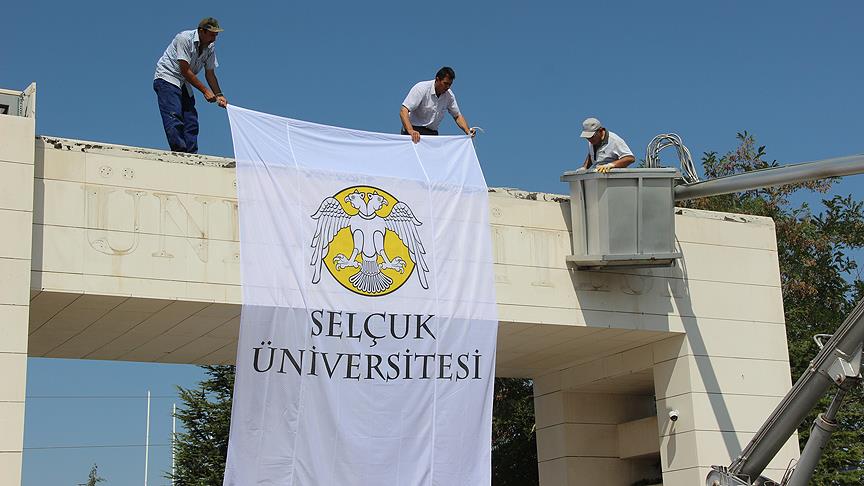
[200, 451]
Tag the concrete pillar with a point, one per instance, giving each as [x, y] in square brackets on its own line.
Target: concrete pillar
[17, 137]
[578, 436]
[724, 379]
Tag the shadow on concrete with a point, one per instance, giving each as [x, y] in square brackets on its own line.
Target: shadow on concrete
[697, 342]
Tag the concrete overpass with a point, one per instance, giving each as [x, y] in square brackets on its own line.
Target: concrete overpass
[124, 253]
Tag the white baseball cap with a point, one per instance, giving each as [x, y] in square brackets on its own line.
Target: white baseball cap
[590, 127]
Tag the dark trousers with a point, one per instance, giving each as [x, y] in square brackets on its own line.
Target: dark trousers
[179, 116]
[422, 130]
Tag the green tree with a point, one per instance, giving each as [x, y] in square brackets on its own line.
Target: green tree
[200, 451]
[93, 478]
[514, 441]
[821, 283]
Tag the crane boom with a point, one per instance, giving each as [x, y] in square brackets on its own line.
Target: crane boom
[838, 364]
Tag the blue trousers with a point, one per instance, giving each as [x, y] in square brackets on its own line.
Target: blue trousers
[179, 116]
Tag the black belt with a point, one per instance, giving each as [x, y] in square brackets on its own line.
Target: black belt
[422, 130]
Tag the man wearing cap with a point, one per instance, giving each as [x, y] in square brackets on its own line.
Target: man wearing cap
[607, 150]
[424, 107]
[175, 77]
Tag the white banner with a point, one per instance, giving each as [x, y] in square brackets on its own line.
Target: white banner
[367, 338]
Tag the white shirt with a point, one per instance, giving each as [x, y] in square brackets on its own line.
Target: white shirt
[185, 47]
[427, 109]
[612, 149]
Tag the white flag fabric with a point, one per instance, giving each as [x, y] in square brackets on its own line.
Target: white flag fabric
[367, 339]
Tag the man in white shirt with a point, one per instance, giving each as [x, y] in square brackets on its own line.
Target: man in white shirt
[607, 150]
[424, 107]
[175, 76]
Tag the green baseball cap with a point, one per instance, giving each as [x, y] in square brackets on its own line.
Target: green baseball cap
[211, 24]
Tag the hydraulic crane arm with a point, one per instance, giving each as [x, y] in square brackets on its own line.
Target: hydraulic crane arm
[838, 364]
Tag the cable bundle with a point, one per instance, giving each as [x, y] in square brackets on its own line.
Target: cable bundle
[660, 142]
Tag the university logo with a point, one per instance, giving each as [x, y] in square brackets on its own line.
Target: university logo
[368, 241]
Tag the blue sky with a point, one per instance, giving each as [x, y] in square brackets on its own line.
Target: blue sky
[527, 72]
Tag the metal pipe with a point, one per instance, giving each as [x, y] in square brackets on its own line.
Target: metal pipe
[173, 441]
[147, 441]
[774, 176]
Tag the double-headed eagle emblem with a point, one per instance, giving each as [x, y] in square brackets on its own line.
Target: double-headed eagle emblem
[368, 233]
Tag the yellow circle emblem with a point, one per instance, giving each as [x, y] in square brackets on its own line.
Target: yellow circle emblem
[366, 256]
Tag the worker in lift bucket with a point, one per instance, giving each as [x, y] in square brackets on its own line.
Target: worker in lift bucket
[605, 149]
